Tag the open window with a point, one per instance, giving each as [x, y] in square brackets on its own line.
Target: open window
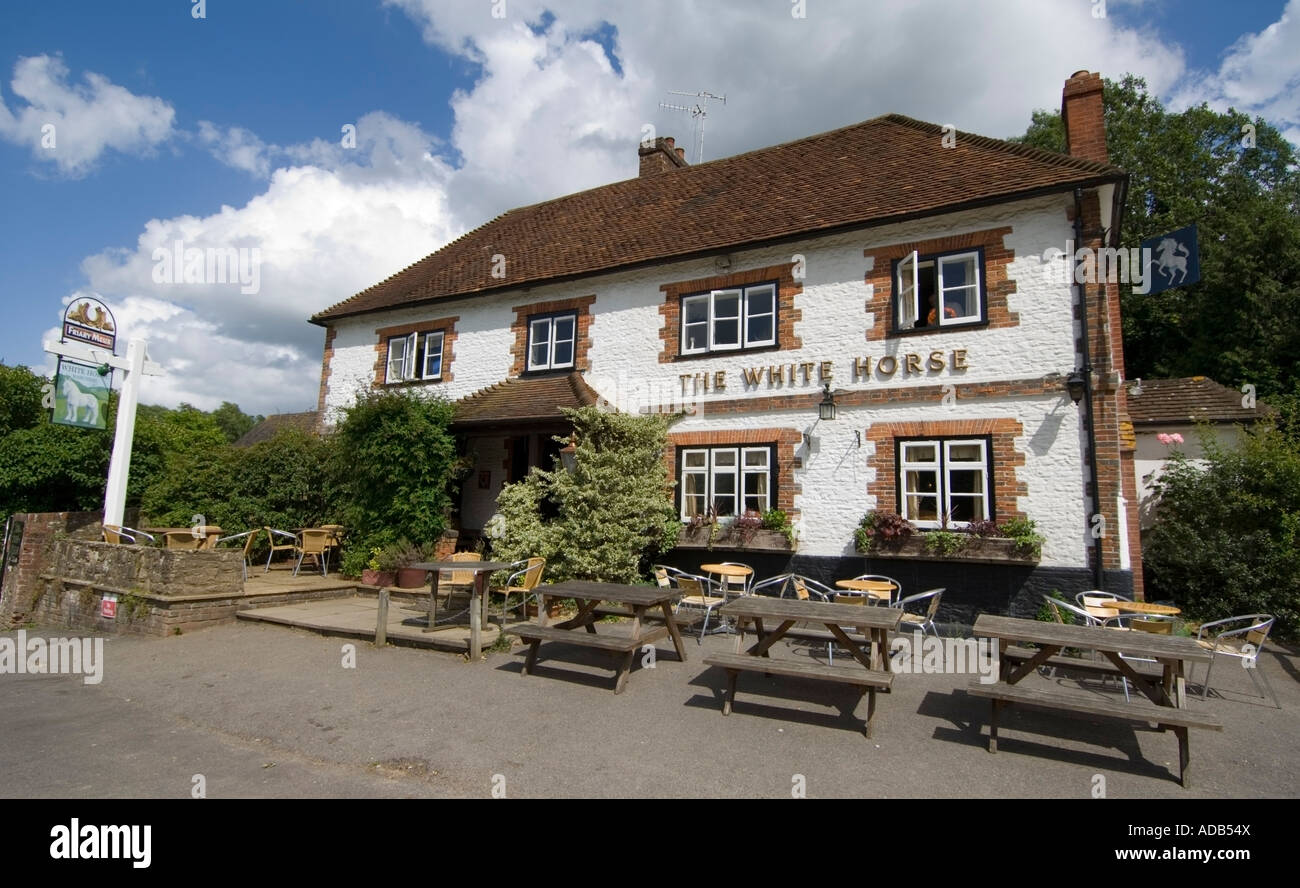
[415, 357]
[933, 292]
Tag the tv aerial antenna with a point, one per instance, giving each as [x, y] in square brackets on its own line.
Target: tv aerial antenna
[698, 112]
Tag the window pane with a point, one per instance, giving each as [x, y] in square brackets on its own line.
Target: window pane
[564, 329]
[695, 309]
[958, 272]
[724, 458]
[966, 453]
[694, 495]
[758, 300]
[966, 508]
[905, 288]
[921, 481]
[966, 481]
[537, 358]
[759, 330]
[920, 453]
[539, 352]
[726, 333]
[563, 354]
[921, 508]
[726, 304]
[696, 337]
[963, 303]
[396, 357]
[926, 288]
[695, 459]
[756, 458]
[756, 491]
[433, 356]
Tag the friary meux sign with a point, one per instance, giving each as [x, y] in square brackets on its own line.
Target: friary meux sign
[88, 320]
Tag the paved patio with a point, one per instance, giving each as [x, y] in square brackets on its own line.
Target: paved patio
[266, 711]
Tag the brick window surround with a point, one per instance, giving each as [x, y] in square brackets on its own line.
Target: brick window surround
[1004, 458]
[786, 441]
[996, 284]
[786, 314]
[580, 305]
[448, 328]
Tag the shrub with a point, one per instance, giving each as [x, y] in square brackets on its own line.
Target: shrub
[608, 518]
[882, 529]
[1025, 533]
[1226, 540]
[395, 466]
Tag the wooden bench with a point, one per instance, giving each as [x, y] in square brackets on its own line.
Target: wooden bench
[536, 634]
[1177, 720]
[734, 664]
[1019, 655]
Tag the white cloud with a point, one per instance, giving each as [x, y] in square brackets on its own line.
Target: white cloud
[86, 119]
[1259, 74]
[551, 113]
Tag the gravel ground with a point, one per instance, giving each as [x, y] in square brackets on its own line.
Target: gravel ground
[263, 711]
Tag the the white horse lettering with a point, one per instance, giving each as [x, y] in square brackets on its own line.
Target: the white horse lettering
[77, 399]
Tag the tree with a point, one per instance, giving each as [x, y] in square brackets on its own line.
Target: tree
[1241, 323]
[609, 517]
[21, 393]
[233, 422]
[395, 465]
[1227, 537]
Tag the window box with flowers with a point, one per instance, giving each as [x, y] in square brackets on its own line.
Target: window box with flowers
[769, 531]
[889, 535]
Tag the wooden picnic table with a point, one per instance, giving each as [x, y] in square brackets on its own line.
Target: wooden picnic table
[870, 669]
[481, 570]
[641, 602]
[1167, 690]
[207, 538]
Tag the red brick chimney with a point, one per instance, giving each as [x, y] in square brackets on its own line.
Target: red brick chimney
[1084, 117]
[661, 157]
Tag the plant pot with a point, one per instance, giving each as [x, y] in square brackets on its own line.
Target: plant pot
[734, 541]
[378, 577]
[979, 550]
[411, 577]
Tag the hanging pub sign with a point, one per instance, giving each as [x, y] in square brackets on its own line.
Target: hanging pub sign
[80, 395]
[88, 320]
[1172, 260]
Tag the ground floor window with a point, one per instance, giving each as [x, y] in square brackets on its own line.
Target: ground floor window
[730, 480]
[944, 482]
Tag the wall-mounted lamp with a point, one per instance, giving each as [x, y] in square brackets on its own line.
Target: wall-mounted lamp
[1075, 385]
[857, 436]
[826, 409]
[569, 457]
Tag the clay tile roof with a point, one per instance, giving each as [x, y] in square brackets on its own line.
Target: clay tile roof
[1191, 399]
[882, 170]
[525, 400]
[271, 425]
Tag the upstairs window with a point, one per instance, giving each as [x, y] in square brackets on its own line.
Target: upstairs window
[944, 482]
[940, 291]
[551, 341]
[729, 320]
[415, 357]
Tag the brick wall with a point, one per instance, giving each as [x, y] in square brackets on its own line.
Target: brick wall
[40, 531]
[997, 286]
[519, 330]
[1007, 487]
[670, 309]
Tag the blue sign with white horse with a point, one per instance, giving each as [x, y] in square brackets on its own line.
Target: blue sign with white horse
[1171, 260]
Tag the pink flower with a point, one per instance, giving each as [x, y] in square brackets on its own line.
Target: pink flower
[1175, 438]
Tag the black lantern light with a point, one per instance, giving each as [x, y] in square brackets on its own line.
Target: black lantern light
[826, 409]
[1075, 385]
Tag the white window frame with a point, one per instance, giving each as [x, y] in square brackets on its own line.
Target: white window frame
[942, 468]
[738, 471]
[548, 323]
[742, 319]
[410, 362]
[907, 307]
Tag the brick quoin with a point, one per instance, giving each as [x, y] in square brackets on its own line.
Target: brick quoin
[519, 327]
[325, 368]
[997, 285]
[786, 441]
[448, 328]
[670, 309]
[1007, 488]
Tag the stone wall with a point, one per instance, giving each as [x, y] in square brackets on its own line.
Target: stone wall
[30, 556]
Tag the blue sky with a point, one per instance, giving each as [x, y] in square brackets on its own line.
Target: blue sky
[225, 131]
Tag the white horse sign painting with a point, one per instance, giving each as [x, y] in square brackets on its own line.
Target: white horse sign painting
[80, 396]
[1173, 259]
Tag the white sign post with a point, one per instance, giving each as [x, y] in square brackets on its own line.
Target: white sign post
[135, 364]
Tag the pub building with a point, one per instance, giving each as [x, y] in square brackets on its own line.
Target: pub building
[882, 317]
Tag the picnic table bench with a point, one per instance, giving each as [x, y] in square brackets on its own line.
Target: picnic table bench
[1166, 691]
[580, 629]
[869, 670]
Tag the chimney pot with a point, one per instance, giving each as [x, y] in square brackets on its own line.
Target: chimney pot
[669, 141]
[681, 153]
[660, 157]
